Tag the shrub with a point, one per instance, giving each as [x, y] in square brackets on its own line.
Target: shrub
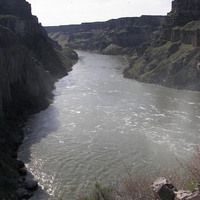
[138, 187]
[98, 193]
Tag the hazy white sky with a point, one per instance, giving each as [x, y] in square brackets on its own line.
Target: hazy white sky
[64, 12]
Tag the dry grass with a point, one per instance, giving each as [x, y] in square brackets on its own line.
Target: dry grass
[138, 187]
[191, 167]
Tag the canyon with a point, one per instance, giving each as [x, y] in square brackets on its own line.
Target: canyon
[116, 36]
[161, 50]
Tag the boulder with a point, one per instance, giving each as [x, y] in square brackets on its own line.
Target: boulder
[173, 48]
[22, 171]
[20, 164]
[175, 67]
[30, 185]
[126, 32]
[187, 195]
[163, 190]
[23, 193]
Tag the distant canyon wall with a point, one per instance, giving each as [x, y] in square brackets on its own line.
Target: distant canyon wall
[109, 37]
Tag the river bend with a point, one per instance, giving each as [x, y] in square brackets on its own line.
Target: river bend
[100, 122]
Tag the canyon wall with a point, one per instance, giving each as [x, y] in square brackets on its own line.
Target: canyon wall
[183, 13]
[29, 67]
[172, 59]
[110, 37]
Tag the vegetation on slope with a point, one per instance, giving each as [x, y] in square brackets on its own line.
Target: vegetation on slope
[117, 36]
[172, 65]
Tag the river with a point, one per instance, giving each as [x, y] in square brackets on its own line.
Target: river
[100, 122]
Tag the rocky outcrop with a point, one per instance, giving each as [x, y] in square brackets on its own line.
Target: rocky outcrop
[172, 59]
[29, 66]
[182, 13]
[110, 37]
[163, 190]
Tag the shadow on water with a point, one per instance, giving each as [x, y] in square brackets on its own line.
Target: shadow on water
[38, 127]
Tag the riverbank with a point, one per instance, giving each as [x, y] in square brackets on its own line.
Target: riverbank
[13, 184]
[12, 173]
[178, 70]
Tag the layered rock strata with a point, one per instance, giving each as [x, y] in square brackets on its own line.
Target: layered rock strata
[182, 13]
[110, 37]
[29, 67]
[172, 59]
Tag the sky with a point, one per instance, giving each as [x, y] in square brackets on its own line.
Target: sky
[65, 12]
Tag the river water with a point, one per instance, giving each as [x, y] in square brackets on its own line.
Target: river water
[100, 122]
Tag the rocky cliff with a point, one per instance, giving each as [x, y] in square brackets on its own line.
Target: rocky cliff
[29, 66]
[163, 50]
[182, 13]
[115, 36]
[172, 59]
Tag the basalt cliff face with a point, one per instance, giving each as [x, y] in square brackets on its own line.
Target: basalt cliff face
[182, 13]
[29, 67]
[116, 36]
[173, 59]
[163, 50]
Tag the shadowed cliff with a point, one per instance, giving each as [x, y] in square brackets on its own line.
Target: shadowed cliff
[29, 67]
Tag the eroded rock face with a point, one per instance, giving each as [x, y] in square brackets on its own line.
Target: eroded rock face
[150, 67]
[19, 8]
[163, 190]
[29, 67]
[23, 193]
[183, 12]
[123, 32]
[175, 67]
[187, 195]
[30, 185]
[187, 7]
[175, 53]
[27, 59]
[173, 48]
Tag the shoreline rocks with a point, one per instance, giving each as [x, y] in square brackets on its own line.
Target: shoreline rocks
[163, 190]
[26, 187]
[30, 64]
